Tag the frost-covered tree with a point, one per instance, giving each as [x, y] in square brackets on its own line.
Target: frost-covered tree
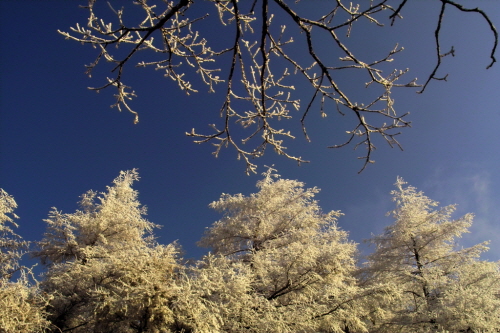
[21, 304]
[437, 286]
[109, 223]
[290, 264]
[216, 295]
[105, 271]
[12, 246]
[261, 52]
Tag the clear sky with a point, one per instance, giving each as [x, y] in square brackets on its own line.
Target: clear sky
[59, 139]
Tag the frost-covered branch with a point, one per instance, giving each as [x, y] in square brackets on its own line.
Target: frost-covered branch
[274, 46]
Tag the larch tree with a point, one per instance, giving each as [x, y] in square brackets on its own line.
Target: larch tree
[105, 271]
[21, 304]
[437, 286]
[291, 265]
[262, 52]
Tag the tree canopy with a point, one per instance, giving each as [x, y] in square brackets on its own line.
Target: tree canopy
[23, 307]
[440, 286]
[262, 53]
[278, 263]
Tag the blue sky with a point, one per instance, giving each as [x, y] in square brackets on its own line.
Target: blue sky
[58, 139]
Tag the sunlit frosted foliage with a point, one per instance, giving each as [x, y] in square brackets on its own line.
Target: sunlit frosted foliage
[106, 223]
[279, 264]
[472, 300]
[11, 245]
[20, 303]
[126, 292]
[438, 285]
[21, 306]
[296, 261]
[106, 273]
[214, 296]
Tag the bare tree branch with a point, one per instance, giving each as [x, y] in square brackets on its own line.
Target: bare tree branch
[452, 50]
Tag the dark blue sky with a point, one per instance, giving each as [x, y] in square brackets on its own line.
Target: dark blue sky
[59, 139]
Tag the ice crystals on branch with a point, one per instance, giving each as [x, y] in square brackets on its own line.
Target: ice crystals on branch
[261, 66]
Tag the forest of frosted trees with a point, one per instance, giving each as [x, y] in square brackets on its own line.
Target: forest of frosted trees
[276, 263]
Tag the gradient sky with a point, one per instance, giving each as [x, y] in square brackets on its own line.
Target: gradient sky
[58, 139]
